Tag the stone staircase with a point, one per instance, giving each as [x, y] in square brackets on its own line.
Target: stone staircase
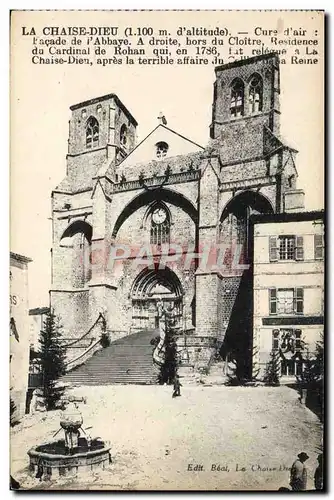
[126, 361]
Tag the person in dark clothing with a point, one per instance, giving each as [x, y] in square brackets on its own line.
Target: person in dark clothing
[176, 385]
[318, 475]
[298, 474]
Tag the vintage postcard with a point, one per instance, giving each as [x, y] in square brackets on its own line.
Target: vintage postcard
[167, 250]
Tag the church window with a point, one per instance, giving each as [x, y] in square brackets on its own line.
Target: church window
[160, 226]
[255, 94]
[92, 133]
[237, 98]
[123, 136]
[161, 149]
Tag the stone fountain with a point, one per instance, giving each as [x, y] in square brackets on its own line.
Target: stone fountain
[77, 452]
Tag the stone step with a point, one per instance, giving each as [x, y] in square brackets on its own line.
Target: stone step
[132, 354]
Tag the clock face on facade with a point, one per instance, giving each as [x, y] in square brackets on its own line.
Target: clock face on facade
[159, 216]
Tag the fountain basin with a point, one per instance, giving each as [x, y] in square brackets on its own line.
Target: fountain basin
[53, 460]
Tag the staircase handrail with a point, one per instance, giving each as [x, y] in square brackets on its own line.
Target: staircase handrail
[81, 355]
[100, 316]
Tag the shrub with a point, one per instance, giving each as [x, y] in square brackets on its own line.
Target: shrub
[271, 376]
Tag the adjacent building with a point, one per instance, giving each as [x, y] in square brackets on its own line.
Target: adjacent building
[19, 331]
[37, 317]
[288, 289]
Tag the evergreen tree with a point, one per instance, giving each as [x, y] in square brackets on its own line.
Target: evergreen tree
[271, 376]
[52, 360]
[312, 373]
[239, 372]
[168, 369]
[311, 379]
[319, 366]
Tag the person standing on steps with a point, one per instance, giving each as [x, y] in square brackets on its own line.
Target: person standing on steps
[298, 474]
[176, 386]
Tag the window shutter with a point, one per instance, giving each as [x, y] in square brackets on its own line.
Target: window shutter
[272, 301]
[299, 300]
[318, 246]
[273, 249]
[299, 248]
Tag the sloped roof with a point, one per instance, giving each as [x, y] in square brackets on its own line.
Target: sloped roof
[152, 132]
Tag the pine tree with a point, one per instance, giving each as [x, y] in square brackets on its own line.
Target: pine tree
[168, 369]
[52, 360]
[319, 367]
[312, 373]
[271, 376]
[241, 373]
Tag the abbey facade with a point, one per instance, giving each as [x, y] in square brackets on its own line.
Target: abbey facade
[170, 201]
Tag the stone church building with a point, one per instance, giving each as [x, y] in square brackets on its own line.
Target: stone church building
[167, 198]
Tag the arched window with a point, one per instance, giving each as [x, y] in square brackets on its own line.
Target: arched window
[237, 98]
[123, 136]
[161, 149]
[160, 225]
[255, 94]
[92, 133]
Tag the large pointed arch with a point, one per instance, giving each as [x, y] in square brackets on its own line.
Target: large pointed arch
[252, 199]
[150, 287]
[76, 243]
[234, 228]
[148, 197]
[148, 279]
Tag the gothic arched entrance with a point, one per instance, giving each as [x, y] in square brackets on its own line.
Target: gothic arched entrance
[150, 286]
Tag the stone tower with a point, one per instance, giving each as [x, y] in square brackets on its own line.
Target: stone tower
[101, 132]
[252, 171]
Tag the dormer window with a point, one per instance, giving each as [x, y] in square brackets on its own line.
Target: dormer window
[123, 137]
[92, 133]
[161, 149]
[255, 94]
[237, 98]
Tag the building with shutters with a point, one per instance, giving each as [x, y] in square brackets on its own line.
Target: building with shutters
[168, 195]
[19, 332]
[288, 289]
